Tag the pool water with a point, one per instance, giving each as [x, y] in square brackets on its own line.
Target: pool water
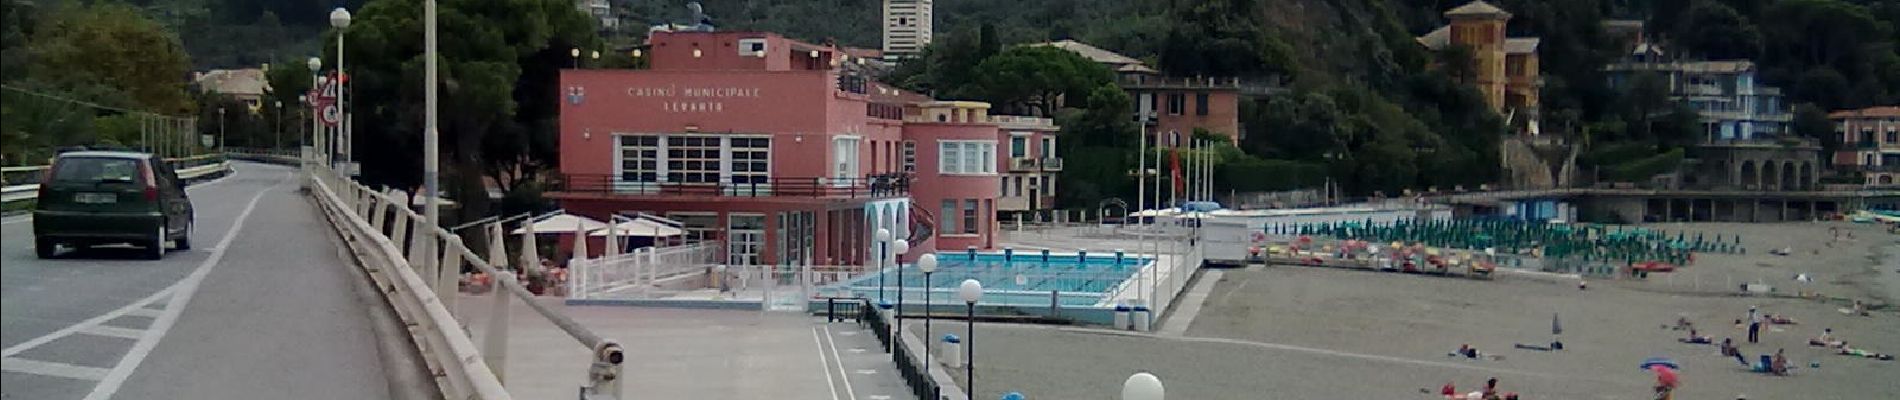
[1022, 279]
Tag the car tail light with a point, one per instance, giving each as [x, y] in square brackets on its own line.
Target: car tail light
[151, 182]
[46, 177]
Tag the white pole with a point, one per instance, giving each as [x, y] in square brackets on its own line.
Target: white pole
[340, 90]
[1141, 175]
[431, 214]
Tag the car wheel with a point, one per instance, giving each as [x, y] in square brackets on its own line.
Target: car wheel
[184, 242]
[45, 248]
[156, 249]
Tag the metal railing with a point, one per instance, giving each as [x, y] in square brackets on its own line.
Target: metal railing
[23, 183]
[418, 271]
[869, 186]
[642, 268]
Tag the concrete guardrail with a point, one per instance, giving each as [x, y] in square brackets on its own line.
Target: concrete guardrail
[202, 167]
[417, 270]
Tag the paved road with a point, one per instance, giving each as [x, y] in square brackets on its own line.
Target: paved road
[262, 308]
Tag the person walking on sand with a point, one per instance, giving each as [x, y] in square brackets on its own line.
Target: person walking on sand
[1754, 325]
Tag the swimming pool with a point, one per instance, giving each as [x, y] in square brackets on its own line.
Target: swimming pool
[1068, 279]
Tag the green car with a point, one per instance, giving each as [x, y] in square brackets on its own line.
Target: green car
[91, 198]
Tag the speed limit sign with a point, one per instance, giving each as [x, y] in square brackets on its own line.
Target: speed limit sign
[331, 115]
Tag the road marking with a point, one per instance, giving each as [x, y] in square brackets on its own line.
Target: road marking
[181, 298]
[137, 307]
[820, 343]
[112, 331]
[866, 372]
[144, 312]
[49, 368]
[848, 391]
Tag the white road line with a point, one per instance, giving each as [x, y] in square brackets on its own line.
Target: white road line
[49, 368]
[848, 391]
[180, 299]
[137, 307]
[112, 331]
[820, 343]
[144, 312]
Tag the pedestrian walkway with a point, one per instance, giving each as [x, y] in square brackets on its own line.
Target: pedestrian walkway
[695, 354]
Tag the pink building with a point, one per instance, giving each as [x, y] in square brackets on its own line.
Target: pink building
[783, 150]
[1870, 143]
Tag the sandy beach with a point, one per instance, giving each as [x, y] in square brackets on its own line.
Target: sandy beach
[1295, 332]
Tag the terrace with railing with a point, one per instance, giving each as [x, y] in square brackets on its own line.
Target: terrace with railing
[868, 186]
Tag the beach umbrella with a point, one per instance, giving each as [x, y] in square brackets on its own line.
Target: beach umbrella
[1654, 362]
[1665, 376]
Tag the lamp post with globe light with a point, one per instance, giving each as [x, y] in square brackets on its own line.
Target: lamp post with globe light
[927, 263]
[898, 248]
[1143, 386]
[340, 19]
[971, 290]
[315, 141]
[883, 238]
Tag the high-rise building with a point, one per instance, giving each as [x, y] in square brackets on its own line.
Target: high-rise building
[907, 27]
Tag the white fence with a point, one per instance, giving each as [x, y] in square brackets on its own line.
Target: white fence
[415, 266]
[641, 270]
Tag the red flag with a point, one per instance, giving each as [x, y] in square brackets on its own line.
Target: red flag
[1174, 155]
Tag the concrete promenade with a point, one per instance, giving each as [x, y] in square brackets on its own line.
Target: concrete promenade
[695, 354]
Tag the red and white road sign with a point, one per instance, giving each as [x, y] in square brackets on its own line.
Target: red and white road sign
[330, 114]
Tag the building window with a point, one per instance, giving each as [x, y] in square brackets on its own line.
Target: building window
[1019, 186]
[751, 160]
[1200, 104]
[1893, 136]
[949, 212]
[639, 158]
[692, 159]
[1177, 103]
[910, 156]
[1003, 186]
[751, 47]
[845, 158]
[1048, 147]
[1018, 146]
[966, 157]
[970, 209]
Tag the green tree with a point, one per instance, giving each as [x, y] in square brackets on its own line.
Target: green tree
[1036, 78]
[501, 62]
[1717, 32]
[115, 46]
[1811, 121]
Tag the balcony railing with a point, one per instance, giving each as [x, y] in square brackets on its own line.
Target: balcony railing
[1052, 164]
[869, 186]
[1022, 164]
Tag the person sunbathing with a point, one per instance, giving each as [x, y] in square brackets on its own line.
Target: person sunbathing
[1850, 351]
[1778, 319]
[1779, 364]
[1696, 338]
[1826, 339]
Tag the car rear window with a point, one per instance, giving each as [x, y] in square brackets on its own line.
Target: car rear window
[96, 169]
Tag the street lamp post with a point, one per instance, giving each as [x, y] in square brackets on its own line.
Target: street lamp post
[928, 264]
[575, 53]
[883, 238]
[430, 138]
[277, 133]
[221, 134]
[316, 82]
[898, 248]
[970, 291]
[1143, 386]
[340, 19]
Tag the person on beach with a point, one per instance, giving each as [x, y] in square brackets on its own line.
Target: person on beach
[1696, 338]
[1491, 388]
[1754, 325]
[1729, 350]
[1449, 391]
[1779, 365]
[1467, 351]
[1826, 339]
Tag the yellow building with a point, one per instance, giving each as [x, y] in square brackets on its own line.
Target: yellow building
[1505, 69]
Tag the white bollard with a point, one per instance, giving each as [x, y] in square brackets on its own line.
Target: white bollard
[1141, 316]
[952, 354]
[1121, 315]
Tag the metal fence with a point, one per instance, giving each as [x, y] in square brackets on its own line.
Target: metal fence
[418, 265]
[641, 270]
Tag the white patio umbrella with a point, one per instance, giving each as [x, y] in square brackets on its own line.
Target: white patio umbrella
[558, 223]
